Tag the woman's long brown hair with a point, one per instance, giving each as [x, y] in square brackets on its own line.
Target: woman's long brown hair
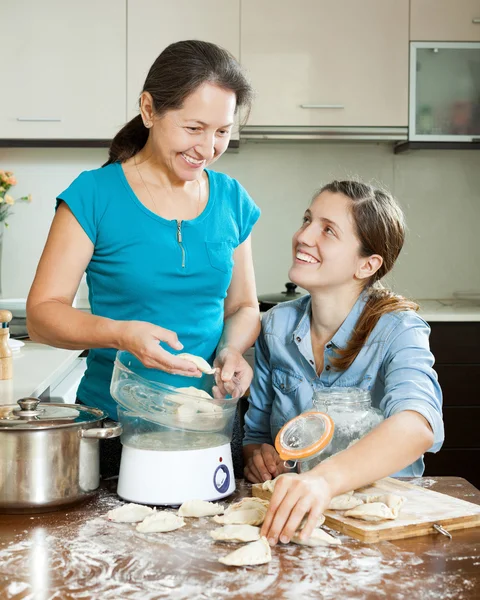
[380, 227]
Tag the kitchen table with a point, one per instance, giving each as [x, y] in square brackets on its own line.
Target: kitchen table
[77, 554]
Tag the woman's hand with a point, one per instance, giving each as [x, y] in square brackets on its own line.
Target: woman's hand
[264, 464]
[142, 340]
[231, 364]
[293, 498]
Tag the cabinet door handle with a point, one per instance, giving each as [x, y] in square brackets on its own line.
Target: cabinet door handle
[322, 106]
[476, 21]
[35, 119]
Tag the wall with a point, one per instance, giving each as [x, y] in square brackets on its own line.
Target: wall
[439, 190]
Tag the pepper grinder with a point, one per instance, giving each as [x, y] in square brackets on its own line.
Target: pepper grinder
[6, 363]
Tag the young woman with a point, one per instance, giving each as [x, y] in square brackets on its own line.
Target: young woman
[165, 242]
[349, 331]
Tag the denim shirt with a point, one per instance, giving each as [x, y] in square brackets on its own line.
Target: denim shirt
[395, 364]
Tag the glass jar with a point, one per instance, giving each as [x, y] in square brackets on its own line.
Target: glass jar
[352, 412]
[302, 441]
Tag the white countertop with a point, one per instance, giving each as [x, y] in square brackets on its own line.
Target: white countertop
[448, 310]
[35, 368]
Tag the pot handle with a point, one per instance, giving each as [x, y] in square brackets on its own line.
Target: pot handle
[110, 429]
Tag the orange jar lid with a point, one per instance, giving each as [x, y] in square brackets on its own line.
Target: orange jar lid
[304, 436]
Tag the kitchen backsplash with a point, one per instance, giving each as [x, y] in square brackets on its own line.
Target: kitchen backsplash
[439, 191]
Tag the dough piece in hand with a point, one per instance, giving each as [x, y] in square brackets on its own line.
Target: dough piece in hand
[303, 522]
[344, 502]
[129, 513]
[236, 533]
[269, 485]
[160, 522]
[318, 537]
[199, 362]
[199, 508]
[374, 511]
[255, 553]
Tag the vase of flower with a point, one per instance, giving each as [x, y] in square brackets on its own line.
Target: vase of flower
[7, 180]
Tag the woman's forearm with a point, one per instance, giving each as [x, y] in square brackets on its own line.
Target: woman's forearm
[60, 325]
[393, 445]
[241, 329]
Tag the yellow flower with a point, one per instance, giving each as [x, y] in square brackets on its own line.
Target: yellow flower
[9, 200]
[29, 198]
[2, 189]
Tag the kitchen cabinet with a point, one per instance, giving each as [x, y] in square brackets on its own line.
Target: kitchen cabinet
[456, 347]
[154, 25]
[445, 20]
[63, 69]
[339, 63]
[444, 91]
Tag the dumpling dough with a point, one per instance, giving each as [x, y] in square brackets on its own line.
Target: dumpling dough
[199, 508]
[129, 513]
[344, 502]
[199, 362]
[249, 511]
[320, 521]
[374, 511]
[393, 501]
[318, 537]
[269, 485]
[255, 553]
[190, 406]
[160, 522]
[236, 533]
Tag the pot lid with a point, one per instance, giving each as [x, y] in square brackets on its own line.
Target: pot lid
[276, 297]
[33, 414]
[304, 436]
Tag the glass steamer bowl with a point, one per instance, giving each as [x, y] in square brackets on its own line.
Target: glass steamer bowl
[175, 444]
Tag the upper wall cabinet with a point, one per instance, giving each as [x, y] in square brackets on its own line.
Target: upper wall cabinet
[154, 25]
[445, 20]
[63, 69]
[340, 63]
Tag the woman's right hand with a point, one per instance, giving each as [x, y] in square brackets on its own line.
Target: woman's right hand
[264, 464]
[142, 340]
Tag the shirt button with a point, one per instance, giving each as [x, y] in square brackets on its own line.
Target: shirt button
[327, 368]
[311, 362]
[328, 346]
[299, 339]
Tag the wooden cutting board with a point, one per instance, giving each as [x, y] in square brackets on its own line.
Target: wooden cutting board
[422, 509]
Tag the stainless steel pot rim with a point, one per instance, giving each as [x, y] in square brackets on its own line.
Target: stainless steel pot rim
[50, 417]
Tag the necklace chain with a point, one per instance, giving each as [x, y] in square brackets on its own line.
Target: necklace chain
[153, 199]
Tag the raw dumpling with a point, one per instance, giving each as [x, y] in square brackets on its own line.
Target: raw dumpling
[256, 553]
[393, 501]
[193, 391]
[269, 485]
[129, 513]
[199, 508]
[320, 521]
[160, 522]
[236, 533]
[374, 511]
[249, 516]
[249, 511]
[198, 405]
[344, 502]
[318, 537]
[199, 362]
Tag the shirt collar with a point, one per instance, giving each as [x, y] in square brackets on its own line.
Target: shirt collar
[340, 339]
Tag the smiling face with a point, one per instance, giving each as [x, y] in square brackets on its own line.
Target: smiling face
[187, 140]
[326, 249]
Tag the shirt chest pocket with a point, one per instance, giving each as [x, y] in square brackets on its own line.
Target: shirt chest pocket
[220, 255]
[287, 402]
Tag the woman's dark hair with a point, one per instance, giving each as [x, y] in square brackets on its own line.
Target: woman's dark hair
[179, 70]
[380, 228]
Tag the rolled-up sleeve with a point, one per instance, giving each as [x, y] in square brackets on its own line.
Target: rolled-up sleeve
[410, 380]
[257, 418]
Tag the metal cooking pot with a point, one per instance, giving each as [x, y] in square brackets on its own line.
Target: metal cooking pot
[268, 301]
[49, 454]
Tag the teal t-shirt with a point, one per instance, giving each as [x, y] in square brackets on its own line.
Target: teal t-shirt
[139, 270]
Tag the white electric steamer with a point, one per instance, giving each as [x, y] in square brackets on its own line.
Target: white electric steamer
[175, 446]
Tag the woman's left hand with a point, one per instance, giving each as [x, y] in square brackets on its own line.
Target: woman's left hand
[231, 364]
[293, 498]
